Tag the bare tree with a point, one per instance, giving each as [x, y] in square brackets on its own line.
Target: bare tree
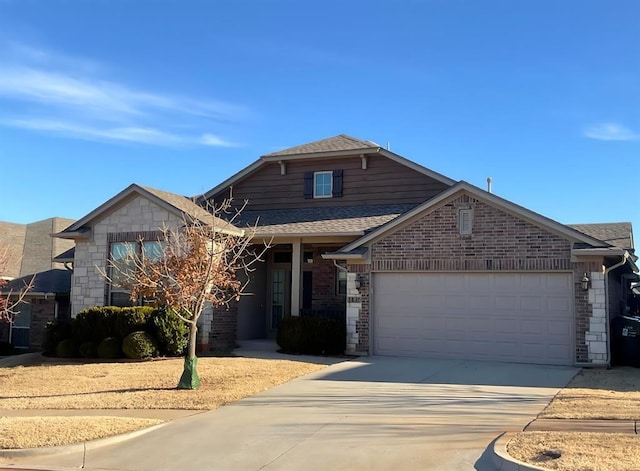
[12, 297]
[192, 266]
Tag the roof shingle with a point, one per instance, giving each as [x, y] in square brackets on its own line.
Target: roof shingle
[331, 220]
[338, 143]
[618, 234]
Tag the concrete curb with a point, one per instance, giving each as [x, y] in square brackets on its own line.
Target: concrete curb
[504, 462]
[77, 447]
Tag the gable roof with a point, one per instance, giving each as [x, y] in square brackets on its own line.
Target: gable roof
[618, 234]
[338, 143]
[482, 195]
[176, 204]
[332, 147]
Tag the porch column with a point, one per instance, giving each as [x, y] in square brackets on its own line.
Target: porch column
[296, 270]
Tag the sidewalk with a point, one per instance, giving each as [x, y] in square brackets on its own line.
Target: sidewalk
[577, 425]
[160, 414]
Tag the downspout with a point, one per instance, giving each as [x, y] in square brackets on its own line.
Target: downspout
[340, 267]
[607, 328]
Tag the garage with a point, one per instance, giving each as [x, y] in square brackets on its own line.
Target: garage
[515, 317]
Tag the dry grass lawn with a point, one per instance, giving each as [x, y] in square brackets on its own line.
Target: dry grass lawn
[577, 451]
[57, 384]
[141, 385]
[32, 432]
[599, 394]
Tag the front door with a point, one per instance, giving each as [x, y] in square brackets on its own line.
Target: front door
[279, 295]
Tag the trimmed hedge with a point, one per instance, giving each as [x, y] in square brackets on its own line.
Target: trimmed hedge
[88, 349]
[110, 348]
[139, 345]
[312, 335]
[67, 348]
[94, 325]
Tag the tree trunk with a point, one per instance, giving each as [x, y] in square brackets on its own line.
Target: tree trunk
[189, 378]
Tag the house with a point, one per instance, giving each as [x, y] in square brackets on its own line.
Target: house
[417, 263]
[32, 255]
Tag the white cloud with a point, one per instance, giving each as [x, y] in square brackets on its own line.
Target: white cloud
[139, 135]
[610, 132]
[75, 91]
[215, 141]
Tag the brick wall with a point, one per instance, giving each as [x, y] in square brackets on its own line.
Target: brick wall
[224, 328]
[499, 241]
[323, 279]
[362, 326]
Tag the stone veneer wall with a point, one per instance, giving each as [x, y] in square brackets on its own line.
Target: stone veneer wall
[358, 309]
[589, 313]
[88, 287]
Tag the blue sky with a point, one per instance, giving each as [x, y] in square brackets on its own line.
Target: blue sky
[543, 96]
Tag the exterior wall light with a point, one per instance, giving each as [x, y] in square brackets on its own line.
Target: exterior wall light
[585, 282]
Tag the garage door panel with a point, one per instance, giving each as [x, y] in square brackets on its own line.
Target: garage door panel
[531, 303]
[558, 303]
[492, 316]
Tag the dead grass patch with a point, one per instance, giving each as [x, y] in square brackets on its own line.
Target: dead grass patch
[142, 385]
[577, 451]
[32, 432]
[598, 394]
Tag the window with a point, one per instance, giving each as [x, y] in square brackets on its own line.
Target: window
[120, 264]
[322, 184]
[341, 281]
[465, 221]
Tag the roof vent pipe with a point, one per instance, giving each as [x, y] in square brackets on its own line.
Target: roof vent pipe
[489, 181]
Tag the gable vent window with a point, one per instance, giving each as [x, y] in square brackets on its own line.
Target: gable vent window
[325, 184]
[465, 221]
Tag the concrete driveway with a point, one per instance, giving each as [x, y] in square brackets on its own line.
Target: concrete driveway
[375, 413]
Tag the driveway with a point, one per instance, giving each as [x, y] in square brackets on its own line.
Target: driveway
[375, 413]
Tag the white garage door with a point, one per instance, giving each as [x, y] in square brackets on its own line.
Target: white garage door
[517, 317]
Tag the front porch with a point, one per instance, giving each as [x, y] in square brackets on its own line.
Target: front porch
[294, 280]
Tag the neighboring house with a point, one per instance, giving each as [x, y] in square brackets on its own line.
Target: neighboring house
[31, 256]
[417, 263]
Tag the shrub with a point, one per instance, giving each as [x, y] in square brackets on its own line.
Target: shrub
[132, 319]
[99, 322]
[138, 345]
[311, 335]
[88, 349]
[94, 324]
[66, 348]
[289, 335]
[172, 333]
[54, 333]
[110, 348]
